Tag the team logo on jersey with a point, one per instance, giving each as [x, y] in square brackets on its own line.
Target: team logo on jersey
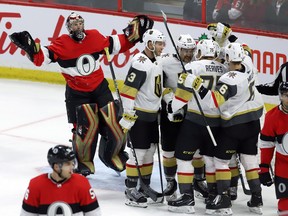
[158, 86]
[141, 59]
[232, 74]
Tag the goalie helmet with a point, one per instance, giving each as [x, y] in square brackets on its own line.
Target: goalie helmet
[153, 35]
[234, 52]
[60, 154]
[185, 41]
[75, 33]
[206, 48]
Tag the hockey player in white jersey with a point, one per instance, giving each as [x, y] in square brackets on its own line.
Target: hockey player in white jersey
[141, 96]
[241, 107]
[172, 69]
[193, 134]
[222, 33]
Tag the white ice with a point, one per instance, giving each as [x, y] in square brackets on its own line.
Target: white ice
[33, 119]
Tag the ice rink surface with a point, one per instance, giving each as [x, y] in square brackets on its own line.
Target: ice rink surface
[33, 119]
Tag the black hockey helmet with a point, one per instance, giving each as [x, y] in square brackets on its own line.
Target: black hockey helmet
[283, 88]
[60, 154]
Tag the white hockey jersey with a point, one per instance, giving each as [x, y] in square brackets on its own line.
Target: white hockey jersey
[237, 97]
[142, 88]
[210, 71]
[172, 69]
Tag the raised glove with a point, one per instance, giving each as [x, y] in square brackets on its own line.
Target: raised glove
[191, 81]
[264, 175]
[177, 116]
[25, 41]
[128, 120]
[137, 27]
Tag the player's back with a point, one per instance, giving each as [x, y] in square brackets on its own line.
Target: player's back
[210, 71]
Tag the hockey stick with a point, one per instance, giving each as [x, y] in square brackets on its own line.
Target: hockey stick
[245, 190]
[160, 171]
[183, 67]
[145, 188]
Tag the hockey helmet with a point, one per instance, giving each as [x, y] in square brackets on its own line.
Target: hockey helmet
[71, 20]
[185, 41]
[206, 48]
[234, 52]
[153, 35]
[60, 154]
[283, 88]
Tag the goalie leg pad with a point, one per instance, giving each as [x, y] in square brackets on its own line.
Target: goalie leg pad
[85, 142]
[113, 140]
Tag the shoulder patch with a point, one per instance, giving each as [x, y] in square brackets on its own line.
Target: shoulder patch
[142, 59]
[231, 74]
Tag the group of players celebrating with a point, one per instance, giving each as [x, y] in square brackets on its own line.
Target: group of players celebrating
[204, 97]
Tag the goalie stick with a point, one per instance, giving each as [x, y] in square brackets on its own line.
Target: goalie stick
[183, 67]
[148, 190]
[245, 190]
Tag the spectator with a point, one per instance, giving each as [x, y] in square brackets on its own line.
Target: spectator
[192, 10]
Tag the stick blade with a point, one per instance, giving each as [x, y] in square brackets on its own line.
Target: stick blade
[164, 15]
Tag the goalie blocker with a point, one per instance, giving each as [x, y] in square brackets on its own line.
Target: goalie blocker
[112, 143]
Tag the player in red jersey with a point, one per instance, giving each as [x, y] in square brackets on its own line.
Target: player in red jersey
[272, 136]
[62, 191]
[78, 55]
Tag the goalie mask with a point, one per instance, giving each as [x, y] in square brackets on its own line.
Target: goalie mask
[75, 26]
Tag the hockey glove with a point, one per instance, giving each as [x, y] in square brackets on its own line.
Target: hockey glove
[264, 175]
[137, 27]
[177, 116]
[25, 41]
[128, 120]
[191, 81]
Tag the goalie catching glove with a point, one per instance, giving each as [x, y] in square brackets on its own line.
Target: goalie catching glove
[137, 27]
[128, 120]
[25, 41]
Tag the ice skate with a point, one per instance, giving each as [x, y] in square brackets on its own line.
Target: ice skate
[255, 203]
[184, 204]
[221, 205]
[233, 193]
[135, 198]
[160, 197]
[170, 192]
[200, 188]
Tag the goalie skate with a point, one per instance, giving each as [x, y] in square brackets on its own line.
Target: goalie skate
[184, 204]
[135, 198]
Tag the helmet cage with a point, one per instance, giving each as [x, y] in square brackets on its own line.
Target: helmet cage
[72, 19]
